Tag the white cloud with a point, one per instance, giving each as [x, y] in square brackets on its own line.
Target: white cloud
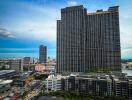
[5, 33]
[71, 2]
[125, 34]
[40, 26]
[126, 53]
[37, 30]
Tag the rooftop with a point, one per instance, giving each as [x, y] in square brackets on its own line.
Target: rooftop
[49, 98]
[5, 82]
[51, 77]
[6, 71]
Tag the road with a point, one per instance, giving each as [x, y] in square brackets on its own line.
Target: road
[34, 92]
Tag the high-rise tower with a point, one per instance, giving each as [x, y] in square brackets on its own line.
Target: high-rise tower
[42, 54]
[88, 41]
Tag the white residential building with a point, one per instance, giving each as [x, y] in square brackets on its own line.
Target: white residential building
[53, 83]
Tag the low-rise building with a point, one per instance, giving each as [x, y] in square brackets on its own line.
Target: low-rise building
[8, 74]
[16, 64]
[53, 83]
[116, 83]
[39, 68]
[27, 60]
[122, 86]
[88, 84]
[49, 69]
[5, 85]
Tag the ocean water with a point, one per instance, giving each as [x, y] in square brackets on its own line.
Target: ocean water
[21, 55]
[18, 55]
[129, 72]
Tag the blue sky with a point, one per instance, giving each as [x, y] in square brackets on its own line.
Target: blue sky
[25, 24]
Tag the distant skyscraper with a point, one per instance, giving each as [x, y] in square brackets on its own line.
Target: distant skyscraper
[26, 60]
[42, 54]
[88, 41]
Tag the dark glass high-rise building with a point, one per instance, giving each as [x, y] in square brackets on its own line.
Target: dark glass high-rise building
[42, 54]
[88, 41]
